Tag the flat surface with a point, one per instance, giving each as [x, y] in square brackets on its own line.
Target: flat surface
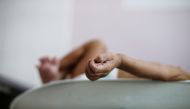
[107, 94]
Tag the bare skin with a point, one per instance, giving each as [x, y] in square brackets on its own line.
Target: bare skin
[72, 65]
[101, 66]
[101, 63]
[48, 69]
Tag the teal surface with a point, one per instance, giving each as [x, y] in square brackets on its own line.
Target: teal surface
[107, 94]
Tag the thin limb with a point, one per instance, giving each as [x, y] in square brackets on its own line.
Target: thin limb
[70, 66]
[91, 50]
[103, 64]
[152, 70]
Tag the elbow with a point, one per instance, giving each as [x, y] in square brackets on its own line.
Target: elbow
[176, 74]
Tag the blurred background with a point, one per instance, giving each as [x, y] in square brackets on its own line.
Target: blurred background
[153, 30]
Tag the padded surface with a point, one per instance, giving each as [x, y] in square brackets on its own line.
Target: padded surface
[107, 94]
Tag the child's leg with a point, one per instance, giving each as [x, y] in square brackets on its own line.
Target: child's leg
[91, 50]
[71, 65]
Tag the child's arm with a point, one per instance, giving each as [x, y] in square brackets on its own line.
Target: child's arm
[103, 64]
[152, 70]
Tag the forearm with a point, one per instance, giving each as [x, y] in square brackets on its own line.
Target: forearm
[152, 70]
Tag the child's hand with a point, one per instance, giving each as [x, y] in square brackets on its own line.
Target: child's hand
[102, 65]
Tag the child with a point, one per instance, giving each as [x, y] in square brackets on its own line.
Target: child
[93, 59]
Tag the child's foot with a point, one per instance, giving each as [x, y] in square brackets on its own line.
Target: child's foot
[49, 69]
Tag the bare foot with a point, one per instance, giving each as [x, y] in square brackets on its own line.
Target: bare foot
[102, 65]
[49, 69]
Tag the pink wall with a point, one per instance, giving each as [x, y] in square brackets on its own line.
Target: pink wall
[156, 35]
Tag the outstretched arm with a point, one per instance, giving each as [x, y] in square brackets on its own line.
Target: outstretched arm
[152, 70]
[104, 63]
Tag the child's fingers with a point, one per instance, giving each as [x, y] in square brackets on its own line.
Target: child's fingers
[100, 67]
[90, 74]
[103, 58]
[93, 75]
